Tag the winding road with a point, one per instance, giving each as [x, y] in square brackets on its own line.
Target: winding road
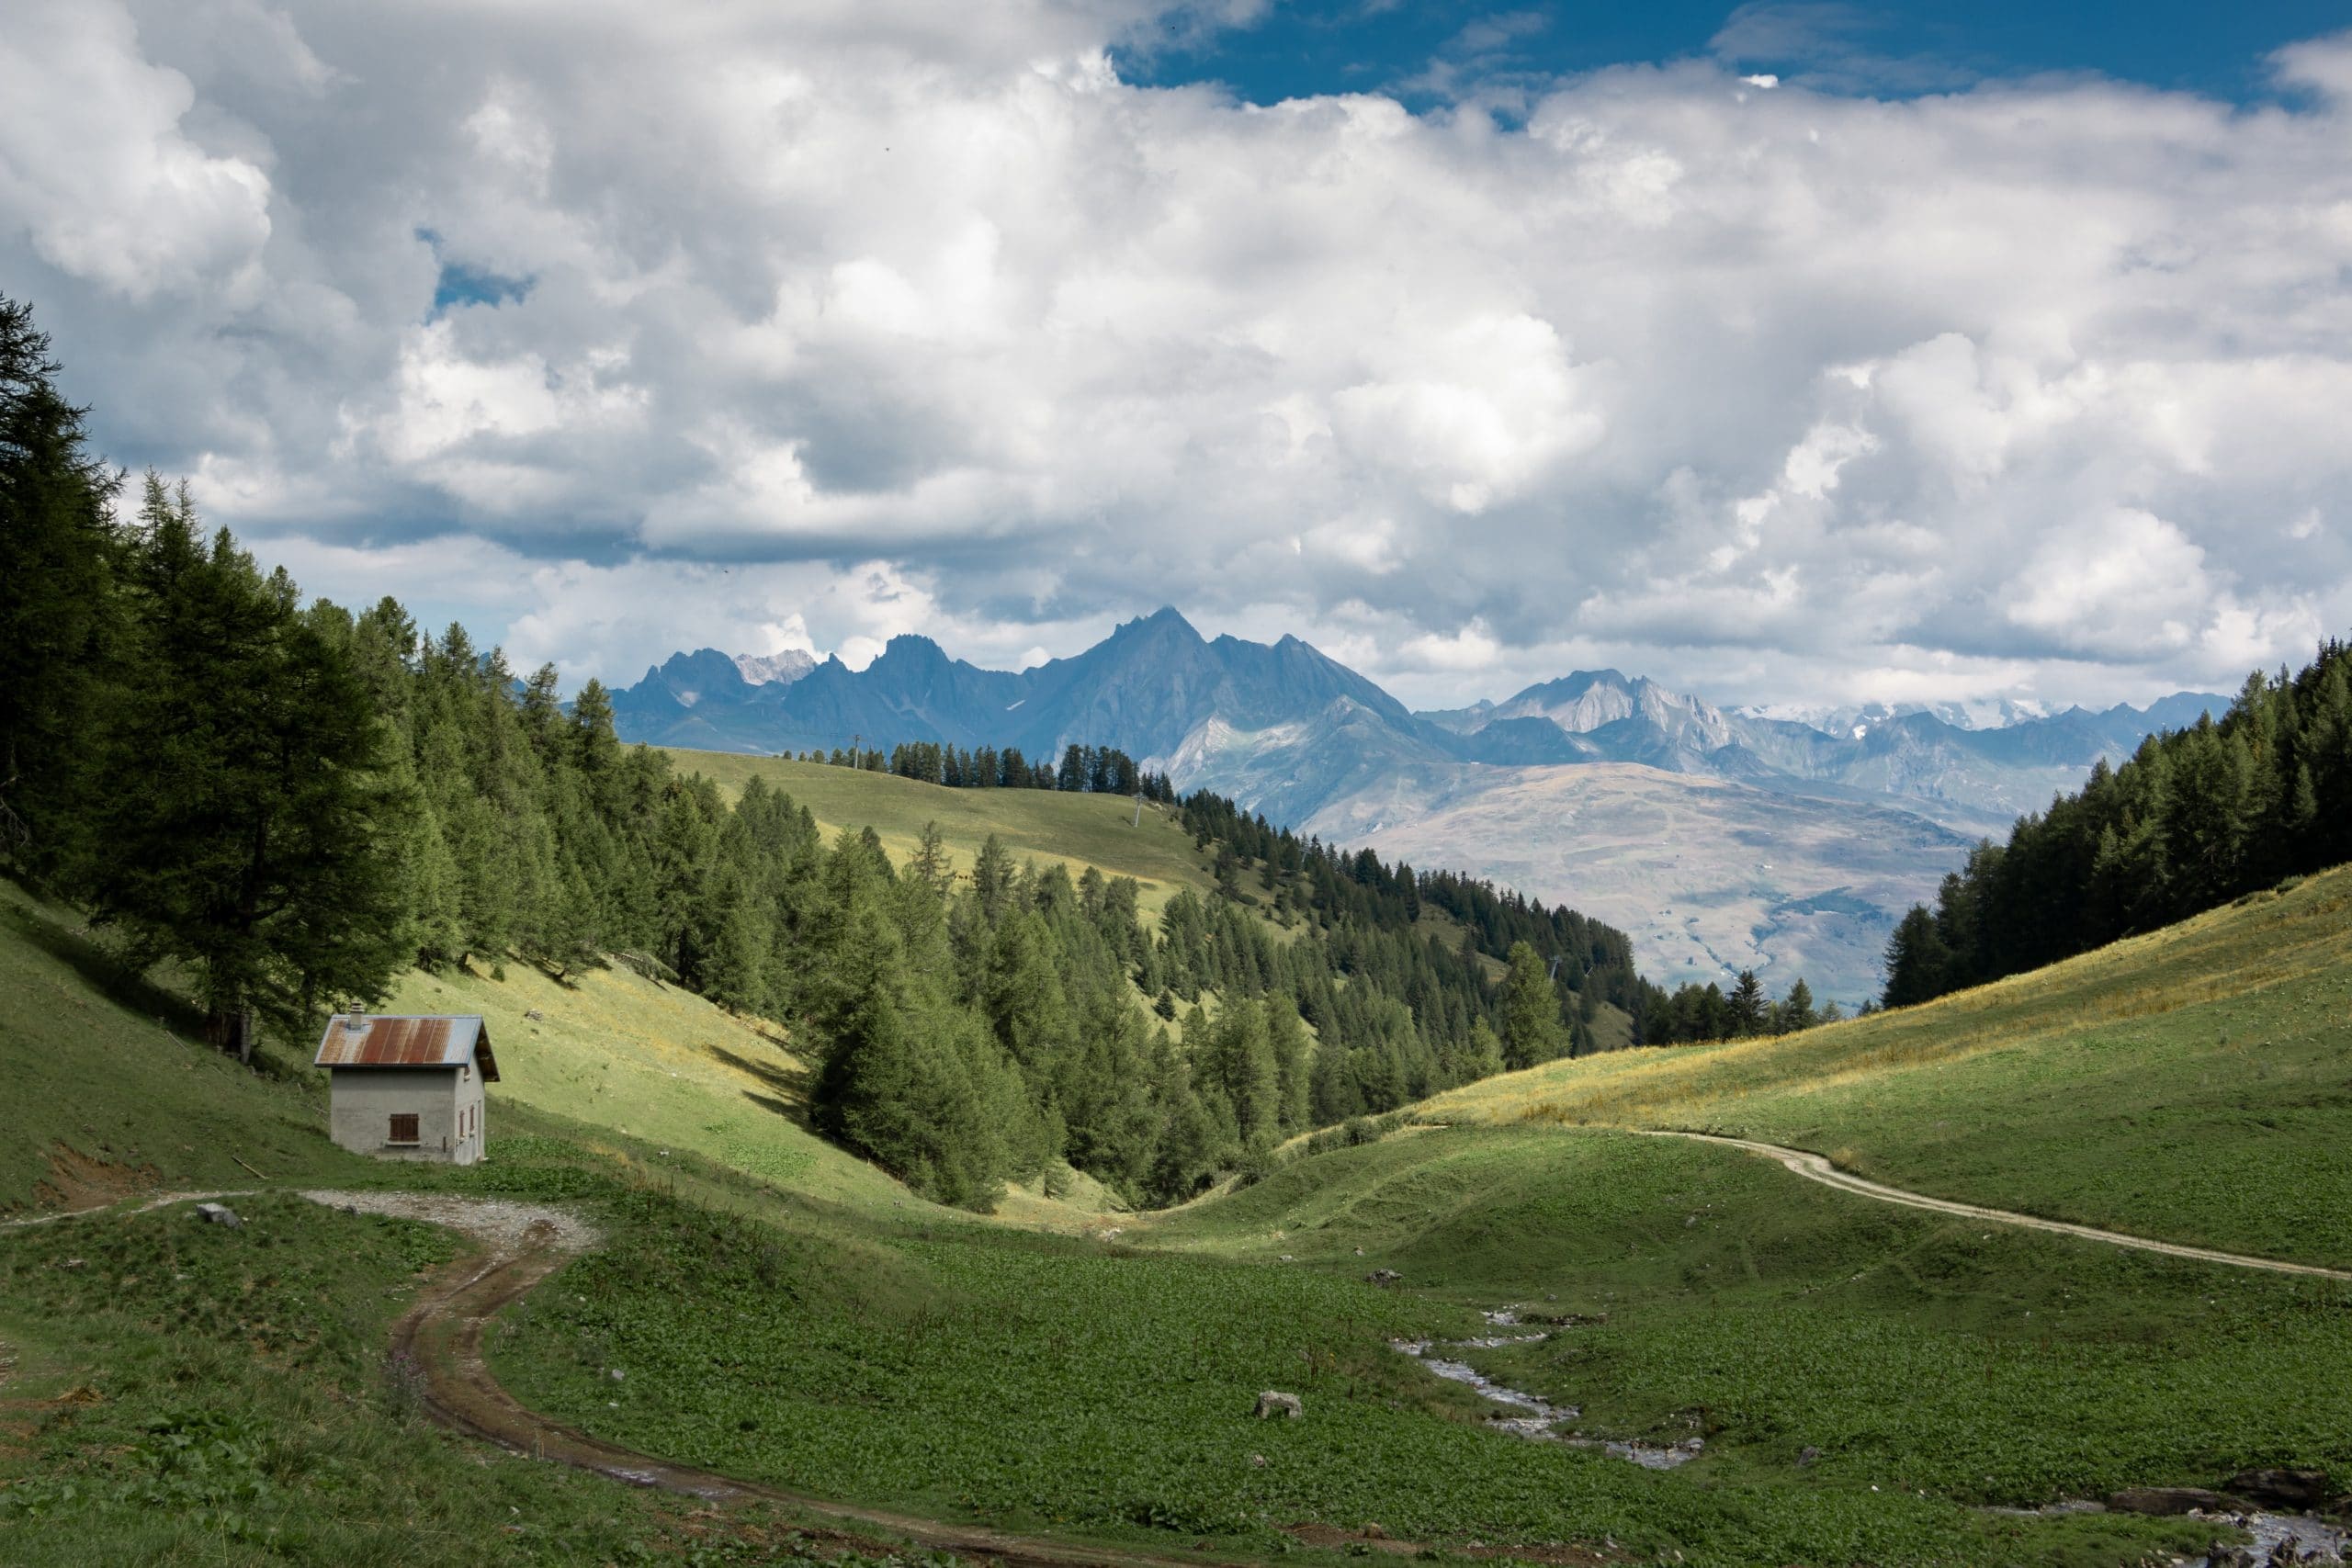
[1814, 1167]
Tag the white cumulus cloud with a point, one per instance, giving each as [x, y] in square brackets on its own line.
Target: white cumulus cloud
[2035, 385]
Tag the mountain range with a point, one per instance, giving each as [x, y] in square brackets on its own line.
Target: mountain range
[1720, 839]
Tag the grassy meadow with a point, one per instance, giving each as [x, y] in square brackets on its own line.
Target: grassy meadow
[2194, 1084]
[614, 1050]
[785, 1313]
[1072, 831]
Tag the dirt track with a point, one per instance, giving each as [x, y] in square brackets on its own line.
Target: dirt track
[520, 1246]
[517, 1246]
[1813, 1167]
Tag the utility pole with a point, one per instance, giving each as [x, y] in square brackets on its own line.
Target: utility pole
[856, 755]
[1138, 821]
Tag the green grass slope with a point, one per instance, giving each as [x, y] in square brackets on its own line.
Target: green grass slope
[1704, 1290]
[108, 1093]
[785, 1317]
[1074, 830]
[613, 1050]
[2194, 1084]
[172, 1392]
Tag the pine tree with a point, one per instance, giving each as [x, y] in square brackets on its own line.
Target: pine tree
[1530, 1010]
[1797, 1012]
[1917, 960]
[252, 821]
[59, 625]
[1747, 1002]
[932, 864]
[1483, 1057]
[992, 878]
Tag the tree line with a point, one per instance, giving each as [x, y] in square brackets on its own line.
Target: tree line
[1100, 770]
[292, 802]
[1708, 1012]
[2194, 819]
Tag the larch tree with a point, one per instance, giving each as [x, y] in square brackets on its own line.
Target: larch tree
[60, 628]
[1530, 1010]
[251, 828]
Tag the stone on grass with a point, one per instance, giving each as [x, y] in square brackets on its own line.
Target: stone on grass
[2297, 1489]
[1807, 1455]
[1286, 1405]
[218, 1214]
[1382, 1277]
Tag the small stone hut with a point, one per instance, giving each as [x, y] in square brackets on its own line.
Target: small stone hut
[408, 1088]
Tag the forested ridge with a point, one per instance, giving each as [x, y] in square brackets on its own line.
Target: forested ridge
[2194, 819]
[291, 802]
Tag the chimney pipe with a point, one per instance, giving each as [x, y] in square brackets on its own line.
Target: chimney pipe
[356, 1021]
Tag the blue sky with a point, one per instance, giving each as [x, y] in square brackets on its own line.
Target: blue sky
[1295, 47]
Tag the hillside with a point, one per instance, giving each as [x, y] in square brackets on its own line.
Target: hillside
[111, 1092]
[1933, 1364]
[1707, 876]
[2191, 1084]
[1071, 829]
[1795, 848]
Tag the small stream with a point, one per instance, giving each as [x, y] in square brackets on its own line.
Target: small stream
[2278, 1538]
[1538, 1418]
[2314, 1540]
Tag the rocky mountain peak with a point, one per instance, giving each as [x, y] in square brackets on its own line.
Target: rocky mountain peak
[773, 669]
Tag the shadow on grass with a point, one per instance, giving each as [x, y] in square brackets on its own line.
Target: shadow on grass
[104, 970]
[792, 1085]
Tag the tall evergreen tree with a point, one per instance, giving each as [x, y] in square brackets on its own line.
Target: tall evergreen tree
[1530, 1024]
[1747, 1000]
[59, 625]
[251, 824]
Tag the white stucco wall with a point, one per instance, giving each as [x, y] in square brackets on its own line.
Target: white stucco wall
[443, 1099]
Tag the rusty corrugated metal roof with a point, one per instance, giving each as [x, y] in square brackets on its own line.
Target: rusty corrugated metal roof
[369, 1040]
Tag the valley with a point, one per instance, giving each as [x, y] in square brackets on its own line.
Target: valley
[1858, 1381]
[1720, 839]
[1708, 877]
[1142, 783]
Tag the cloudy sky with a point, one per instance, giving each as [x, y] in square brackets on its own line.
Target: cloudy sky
[1793, 354]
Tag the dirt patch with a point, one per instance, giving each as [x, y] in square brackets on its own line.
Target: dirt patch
[76, 1180]
[508, 1227]
[1372, 1537]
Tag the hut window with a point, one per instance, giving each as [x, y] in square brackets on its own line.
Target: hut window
[404, 1127]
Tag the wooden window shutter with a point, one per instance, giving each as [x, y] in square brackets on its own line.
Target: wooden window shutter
[404, 1127]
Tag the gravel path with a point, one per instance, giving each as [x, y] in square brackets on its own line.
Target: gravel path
[1813, 1167]
[507, 1226]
